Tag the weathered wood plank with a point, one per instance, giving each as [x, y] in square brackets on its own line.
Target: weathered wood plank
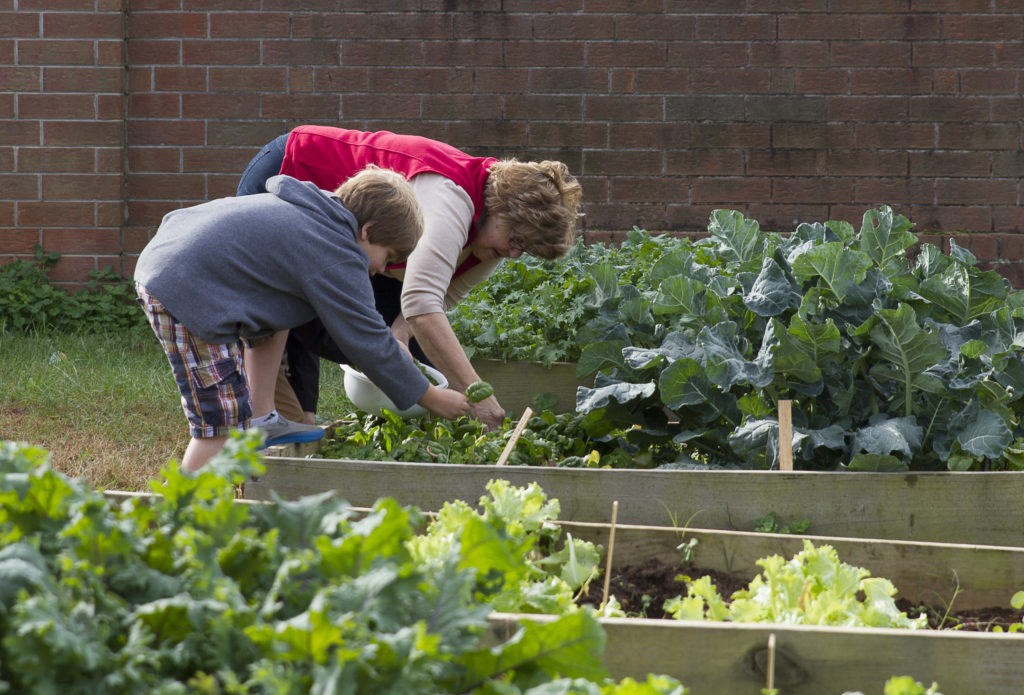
[971, 508]
[731, 657]
[965, 577]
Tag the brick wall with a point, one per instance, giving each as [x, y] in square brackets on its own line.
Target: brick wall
[116, 111]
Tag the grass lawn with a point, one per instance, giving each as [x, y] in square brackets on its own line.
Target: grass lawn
[105, 406]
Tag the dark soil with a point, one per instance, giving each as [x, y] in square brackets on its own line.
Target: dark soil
[643, 589]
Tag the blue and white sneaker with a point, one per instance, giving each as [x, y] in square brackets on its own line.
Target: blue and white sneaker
[283, 431]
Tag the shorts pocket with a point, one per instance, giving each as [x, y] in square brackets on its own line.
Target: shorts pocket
[210, 374]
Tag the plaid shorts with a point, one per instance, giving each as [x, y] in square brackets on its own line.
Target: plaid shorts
[210, 377]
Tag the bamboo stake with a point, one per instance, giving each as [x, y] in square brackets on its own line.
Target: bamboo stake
[608, 562]
[516, 433]
[785, 435]
[771, 664]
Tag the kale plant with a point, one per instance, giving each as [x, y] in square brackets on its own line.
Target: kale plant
[893, 361]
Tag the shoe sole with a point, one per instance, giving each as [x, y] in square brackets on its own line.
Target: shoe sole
[296, 438]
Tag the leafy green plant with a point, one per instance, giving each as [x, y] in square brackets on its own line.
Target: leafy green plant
[563, 439]
[769, 524]
[813, 588]
[191, 591]
[890, 363]
[28, 302]
[905, 685]
[531, 309]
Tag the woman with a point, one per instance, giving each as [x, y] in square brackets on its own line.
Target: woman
[477, 212]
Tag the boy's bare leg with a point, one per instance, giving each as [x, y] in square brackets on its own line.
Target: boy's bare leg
[199, 451]
[262, 364]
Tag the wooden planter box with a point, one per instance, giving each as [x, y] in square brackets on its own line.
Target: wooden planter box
[516, 383]
[965, 577]
[968, 508]
[711, 658]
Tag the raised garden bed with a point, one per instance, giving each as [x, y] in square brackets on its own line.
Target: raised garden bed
[970, 508]
[734, 657]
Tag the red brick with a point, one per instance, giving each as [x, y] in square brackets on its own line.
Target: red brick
[300, 106]
[811, 136]
[568, 134]
[34, 214]
[82, 240]
[811, 190]
[54, 159]
[82, 187]
[636, 27]
[56, 52]
[388, 79]
[730, 81]
[71, 269]
[200, 106]
[77, 133]
[623, 108]
[979, 136]
[976, 191]
[409, 106]
[870, 54]
[895, 136]
[153, 52]
[866, 163]
[454, 53]
[739, 27]
[690, 162]
[332, 25]
[779, 162]
[19, 24]
[608, 54]
[790, 54]
[785, 218]
[890, 81]
[980, 27]
[732, 135]
[15, 241]
[20, 132]
[951, 164]
[401, 53]
[165, 132]
[91, 79]
[480, 25]
[82, 25]
[180, 79]
[902, 27]
[623, 162]
[154, 159]
[18, 79]
[989, 81]
[894, 191]
[961, 55]
[707, 54]
[163, 25]
[240, 52]
[154, 105]
[950, 217]
[868, 109]
[248, 25]
[20, 186]
[166, 187]
[566, 80]
[823, 81]
[727, 190]
[69, 106]
[816, 27]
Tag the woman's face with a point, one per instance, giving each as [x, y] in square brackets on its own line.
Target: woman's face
[496, 239]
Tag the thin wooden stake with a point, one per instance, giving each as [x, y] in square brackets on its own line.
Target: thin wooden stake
[770, 685]
[608, 562]
[785, 435]
[516, 433]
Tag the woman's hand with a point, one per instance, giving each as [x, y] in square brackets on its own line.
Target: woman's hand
[445, 403]
[489, 412]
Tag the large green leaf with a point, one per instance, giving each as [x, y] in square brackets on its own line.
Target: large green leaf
[839, 269]
[773, 292]
[899, 340]
[886, 436]
[980, 431]
[738, 239]
[885, 237]
[964, 292]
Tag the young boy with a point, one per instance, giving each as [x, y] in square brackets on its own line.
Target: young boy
[222, 282]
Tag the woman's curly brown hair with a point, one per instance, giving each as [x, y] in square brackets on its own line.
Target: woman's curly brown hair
[541, 201]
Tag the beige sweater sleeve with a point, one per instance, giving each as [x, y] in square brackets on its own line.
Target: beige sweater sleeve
[428, 285]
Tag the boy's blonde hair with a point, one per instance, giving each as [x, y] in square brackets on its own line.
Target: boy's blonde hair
[541, 201]
[384, 197]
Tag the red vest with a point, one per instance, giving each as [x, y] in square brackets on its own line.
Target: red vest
[329, 156]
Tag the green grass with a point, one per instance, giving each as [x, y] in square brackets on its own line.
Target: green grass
[105, 406]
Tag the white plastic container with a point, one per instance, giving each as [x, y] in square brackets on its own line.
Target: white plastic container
[368, 398]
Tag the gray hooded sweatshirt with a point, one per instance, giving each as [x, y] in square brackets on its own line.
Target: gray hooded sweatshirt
[253, 265]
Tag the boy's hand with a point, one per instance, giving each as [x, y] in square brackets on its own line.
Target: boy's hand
[445, 403]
